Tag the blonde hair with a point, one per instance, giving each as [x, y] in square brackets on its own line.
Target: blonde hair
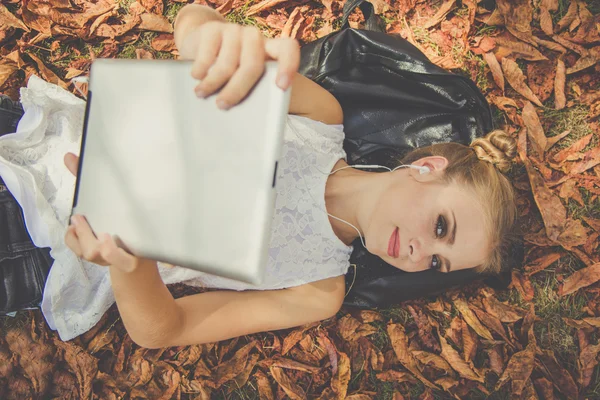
[479, 167]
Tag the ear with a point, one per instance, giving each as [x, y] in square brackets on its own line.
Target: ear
[436, 164]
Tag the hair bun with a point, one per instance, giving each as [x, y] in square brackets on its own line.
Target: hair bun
[496, 148]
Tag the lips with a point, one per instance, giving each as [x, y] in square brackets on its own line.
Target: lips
[394, 244]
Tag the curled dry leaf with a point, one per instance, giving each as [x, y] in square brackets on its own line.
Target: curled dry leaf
[7, 68]
[433, 360]
[541, 263]
[516, 79]
[574, 234]
[290, 388]
[534, 129]
[340, 381]
[550, 45]
[154, 6]
[469, 342]
[264, 387]
[399, 342]
[262, 6]
[10, 21]
[581, 278]
[523, 285]
[571, 46]
[568, 17]
[518, 17]
[504, 312]
[286, 363]
[463, 307]
[496, 359]
[492, 62]
[585, 62]
[464, 369]
[441, 13]
[561, 378]
[520, 49]
[576, 147]
[81, 364]
[156, 23]
[560, 101]
[519, 369]
[555, 139]
[588, 359]
[233, 367]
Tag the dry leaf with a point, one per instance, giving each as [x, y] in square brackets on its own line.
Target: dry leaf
[340, 381]
[504, 312]
[571, 46]
[264, 387]
[81, 364]
[463, 368]
[541, 263]
[588, 359]
[10, 21]
[576, 147]
[396, 376]
[492, 62]
[545, 388]
[555, 139]
[233, 367]
[263, 5]
[559, 85]
[523, 285]
[519, 369]
[584, 62]
[399, 343]
[291, 389]
[433, 360]
[534, 129]
[471, 319]
[154, 6]
[469, 342]
[550, 45]
[518, 17]
[560, 377]
[568, 17]
[520, 49]
[441, 13]
[163, 42]
[581, 278]
[516, 79]
[156, 23]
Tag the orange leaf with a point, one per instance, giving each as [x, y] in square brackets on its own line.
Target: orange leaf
[154, 6]
[340, 381]
[462, 306]
[555, 139]
[534, 129]
[492, 62]
[433, 360]
[469, 342]
[81, 364]
[516, 79]
[441, 13]
[6, 70]
[573, 235]
[396, 376]
[519, 369]
[399, 342]
[523, 285]
[559, 85]
[264, 387]
[568, 17]
[546, 21]
[550, 45]
[47, 73]
[520, 49]
[541, 263]
[10, 21]
[581, 278]
[163, 42]
[156, 23]
[232, 367]
[289, 387]
[504, 312]
[574, 148]
[463, 368]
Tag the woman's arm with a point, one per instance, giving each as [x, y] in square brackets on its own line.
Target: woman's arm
[307, 99]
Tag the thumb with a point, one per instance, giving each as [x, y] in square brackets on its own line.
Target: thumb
[72, 163]
[287, 53]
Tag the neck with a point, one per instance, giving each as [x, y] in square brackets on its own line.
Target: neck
[347, 193]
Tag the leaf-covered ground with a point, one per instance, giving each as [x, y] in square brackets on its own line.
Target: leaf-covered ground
[537, 63]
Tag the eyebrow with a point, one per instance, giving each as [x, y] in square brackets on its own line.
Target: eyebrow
[451, 241]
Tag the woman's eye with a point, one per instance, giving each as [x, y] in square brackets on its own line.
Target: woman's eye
[440, 227]
[435, 263]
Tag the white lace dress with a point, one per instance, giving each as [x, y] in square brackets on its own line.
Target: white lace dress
[303, 247]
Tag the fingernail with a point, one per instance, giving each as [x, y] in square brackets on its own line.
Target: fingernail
[200, 94]
[74, 220]
[223, 105]
[283, 82]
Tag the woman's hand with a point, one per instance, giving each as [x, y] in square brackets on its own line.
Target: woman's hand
[233, 57]
[101, 250]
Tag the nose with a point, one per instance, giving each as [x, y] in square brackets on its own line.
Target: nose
[415, 250]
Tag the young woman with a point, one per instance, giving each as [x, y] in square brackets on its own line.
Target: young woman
[455, 216]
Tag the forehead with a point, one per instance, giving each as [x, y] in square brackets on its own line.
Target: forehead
[472, 244]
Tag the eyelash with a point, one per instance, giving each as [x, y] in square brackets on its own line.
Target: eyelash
[440, 224]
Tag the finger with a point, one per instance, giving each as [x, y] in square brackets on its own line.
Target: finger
[287, 53]
[72, 241]
[252, 66]
[227, 62]
[114, 255]
[72, 163]
[87, 240]
[207, 49]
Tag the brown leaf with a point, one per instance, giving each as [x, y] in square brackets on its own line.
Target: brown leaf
[559, 85]
[347, 327]
[496, 359]
[590, 159]
[264, 387]
[340, 381]
[7, 68]
[232, 367]
[541, 263]
[464, 369]
[519, 369]
[540, 78]
[425, 328]
[553, 212]
[534, 129]
[504, 312]
[293, 338]
[546, 21]
[331, 351]
[469, 342]
[573, 235]
[520, 49]
[163, 42]
[10, 21]
[491, 322]
[555, 139]
[492, 62]
[576, 147]
[367, 316]
[262, 6]
[83, 365]
[518, 17]
[571, 46]
[516, 79]
[523, 285]
[154, 6]
[584, 62]
[441, 13]
[291, 389]
[581, 278]
[399, 342]
[550, 45]
[544, 388]
[396, 376]
[462, 306]
[242, 378]
[560, 377]
[292, 364]
[568, 17]
[588, 359]
[156, 23]
[433, 360]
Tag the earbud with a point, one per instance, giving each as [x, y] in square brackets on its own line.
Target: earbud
[422, 170]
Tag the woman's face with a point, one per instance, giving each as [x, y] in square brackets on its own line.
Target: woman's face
[420, 223]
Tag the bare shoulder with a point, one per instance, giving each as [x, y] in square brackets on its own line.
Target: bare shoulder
[312, 101]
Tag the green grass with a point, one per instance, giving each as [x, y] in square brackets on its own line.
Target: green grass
[21, 320]
[172, 9]
[573, 118]
[591, 209]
